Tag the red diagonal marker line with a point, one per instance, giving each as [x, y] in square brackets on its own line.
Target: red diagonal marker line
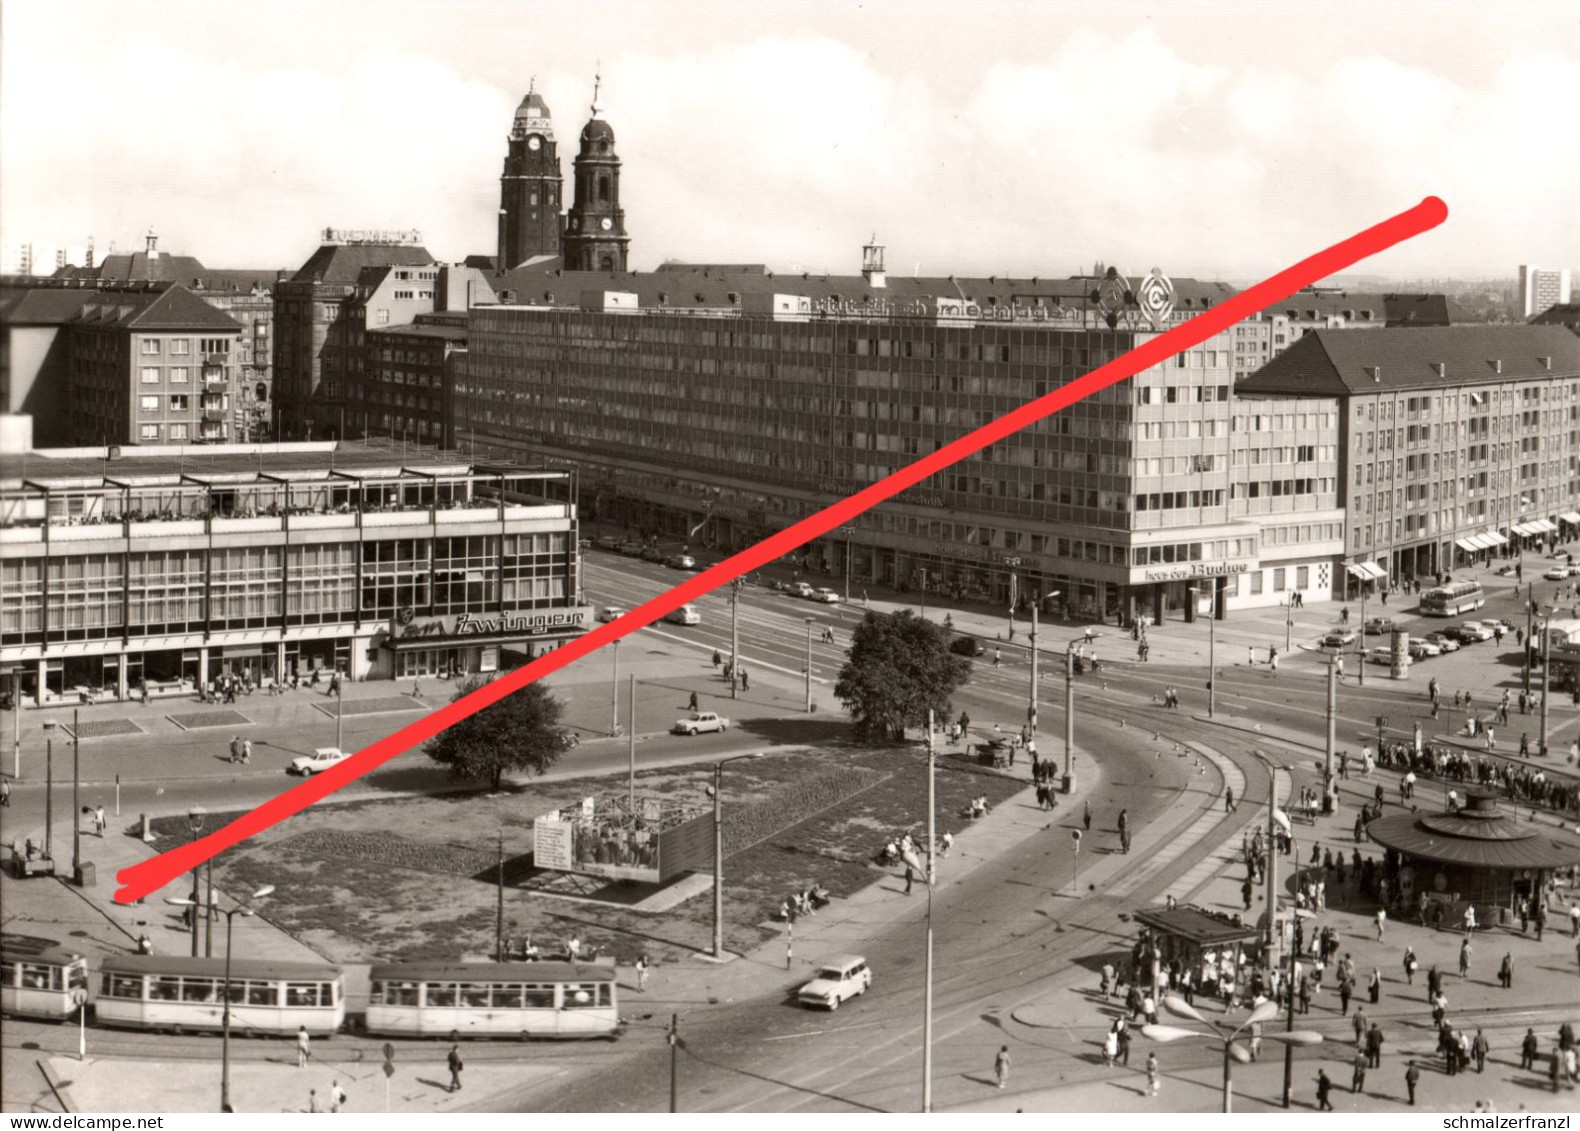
[142, 879]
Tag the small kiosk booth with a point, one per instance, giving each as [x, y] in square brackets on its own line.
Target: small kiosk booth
[1216, 946]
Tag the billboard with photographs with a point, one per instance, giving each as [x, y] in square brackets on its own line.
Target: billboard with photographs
[650, 842]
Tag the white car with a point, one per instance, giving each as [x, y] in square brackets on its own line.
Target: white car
[686, 614]
[320, 760]
[1383, 655]
[827, 596]
[700, 722]
[1557, 573]
[837, 980]
[802, 589]
[609, 613]
[1421, 648]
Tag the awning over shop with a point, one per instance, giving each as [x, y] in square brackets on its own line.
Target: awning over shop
[1545, 526]
[1524, 528]
[1497, 539]
[1365, 571]
[1475, 542]
[1570, 516]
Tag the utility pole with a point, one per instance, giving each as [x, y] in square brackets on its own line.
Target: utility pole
[1274, 938]
[1530, 609]
[1069, 718]
[809, 665]
[1212, 649]
[630, 795]
[1547, 669]
[932, 875]
[1331, 746]
[76, 808]
[1360, 668]
[49, 791]
[614, 695]
[848, 531]
[1031, 715]
[499, 908]
[674, 1067]
[735, 639]
[208, 917]
[924, 594]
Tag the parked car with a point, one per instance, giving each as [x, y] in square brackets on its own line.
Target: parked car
[1471, 632]
[967, 646]
[801, 589]
[1422, 649]
[700, 722]
[686, 614]
[1443, 640]
[609, 542]
[1557, 573]
[609, 613]
[1381, 655]
[827, 596]
[631, 548]
[1338, 638]
[653, 554]
[681, 561]
[836, 981]
[316, 763]
[1378, 625]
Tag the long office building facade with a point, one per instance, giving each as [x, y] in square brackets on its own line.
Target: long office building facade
[737, 420]
[165, 569]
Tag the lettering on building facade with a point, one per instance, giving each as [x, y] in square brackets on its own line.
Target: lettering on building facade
[1188, 570]
[474, 625]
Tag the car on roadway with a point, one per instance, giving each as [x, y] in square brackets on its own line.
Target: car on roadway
[1558, 573]
[967, 646]
[1471, 632]
[837, 980]
[316, 762]
[653, 554]
[609, 613]
[1382, 654]
[631, 548]
[1421, 649]
[681, 561]
[1338, 638]
[701, 722]
[826, 596]
[1379, 625]
[1443, 640]
[686, 614]
[802, 589]
[608, 541]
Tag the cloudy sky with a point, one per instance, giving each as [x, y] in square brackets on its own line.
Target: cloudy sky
[1211, 139]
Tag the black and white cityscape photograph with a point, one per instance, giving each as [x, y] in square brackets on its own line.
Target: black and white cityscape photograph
[1206, 740]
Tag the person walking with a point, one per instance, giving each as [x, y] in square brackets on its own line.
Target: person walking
[691, 704]
[1228, 799]
[1479, 1048]
[1324, 1087]
[304, 1047]
[1358, 1072]
[1382, 920]
[246, 751]
[235, 748]
[98, 820]
[1152, 1073]
[1111, 1045]
[1001, 1065]
[455, 1066]
[1529, 1047]
[641, 974]
[1506, 971]
[1464, 958]
[1086, 815]
[1412, 1077]
[337, 1096]
[1374, 1044]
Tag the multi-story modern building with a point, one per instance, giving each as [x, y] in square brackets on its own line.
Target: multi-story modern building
[35, 361]
[1453, 440]
[407, 371]
[151, 367]
[740, 403]
[120, 567]
[321, 313]
[1541, 289]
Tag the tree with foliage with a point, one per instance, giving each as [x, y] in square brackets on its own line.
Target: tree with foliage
[899, 668]
[520, 732]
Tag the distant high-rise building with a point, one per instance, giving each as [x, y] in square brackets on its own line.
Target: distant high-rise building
[1540, 289]
[29, 258]
[529, 189]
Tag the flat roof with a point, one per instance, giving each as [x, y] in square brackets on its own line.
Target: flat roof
[1196, 925]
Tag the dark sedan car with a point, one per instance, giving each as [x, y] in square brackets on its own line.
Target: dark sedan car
[967, 646]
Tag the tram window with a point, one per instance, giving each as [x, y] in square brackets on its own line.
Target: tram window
[238, 992]
[123, 985]
[326, 993]
[540, 997]
[474, 996]
[400, 993]
[164, 989]
[7, 973]
[263, 993]
[301, 994]
[37, 977]
[583, 997]
[197, 989]
[443, 994]
[506, 997]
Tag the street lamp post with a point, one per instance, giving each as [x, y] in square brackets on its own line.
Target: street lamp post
[241, 908]
[932, 876]
[809, 665]
[1530, 611]
[49, 790]
[340, 702]
[195, 823]
[1360, 648]
[735, 639]
[499, 903]
[1220, 1032]
[1014, 584]
[924, 594]
[1547, 668]
[1069, 708]
[847, 532]
[614, 694]
[718, 849]
[76, 808]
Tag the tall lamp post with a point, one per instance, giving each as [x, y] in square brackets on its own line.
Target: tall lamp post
[76, 807]
[49, 790]
[1220, 1032]
[1212, 645]
[1330, 748]
[1014, 585]
[847, 532]
[1547, 669]
[718, 849]
[241, 908]
[1069, 708]
[195, 823]
[735, 639]
[809, 665]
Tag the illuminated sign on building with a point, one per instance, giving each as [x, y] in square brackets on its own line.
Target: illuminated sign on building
[538, 622]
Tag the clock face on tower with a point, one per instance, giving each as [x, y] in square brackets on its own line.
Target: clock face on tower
[534, 143]
[606, 223]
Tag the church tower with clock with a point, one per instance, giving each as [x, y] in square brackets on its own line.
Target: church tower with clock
[594, 238]
[529, 189]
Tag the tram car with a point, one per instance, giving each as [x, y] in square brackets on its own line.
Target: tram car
[179, 994]
[39, 977]
[524, 1000]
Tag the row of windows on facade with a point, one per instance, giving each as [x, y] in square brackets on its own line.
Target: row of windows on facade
[181, 346]
[1469, 400]
[1449, 463]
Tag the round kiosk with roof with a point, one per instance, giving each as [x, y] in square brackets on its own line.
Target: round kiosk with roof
[1476, 856]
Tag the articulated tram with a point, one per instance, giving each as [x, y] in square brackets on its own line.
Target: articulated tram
[145, 991]
[39, 977]
[527, 1000]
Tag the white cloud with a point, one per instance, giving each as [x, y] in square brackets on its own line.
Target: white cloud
[791, 147]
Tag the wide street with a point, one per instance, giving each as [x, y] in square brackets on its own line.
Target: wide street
[1016, 949]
